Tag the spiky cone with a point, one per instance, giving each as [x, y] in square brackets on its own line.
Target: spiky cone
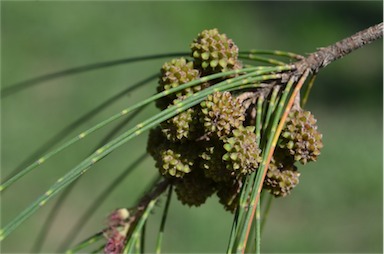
[175, 160]
[194, 188]
[242, 153]
[182, 127]
[300, 136]
[281, 178]
[229, 193]
[175, 73]
[221, 113]
[212, 162]
[214, 52]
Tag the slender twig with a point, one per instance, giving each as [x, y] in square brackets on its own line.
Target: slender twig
[327, 55]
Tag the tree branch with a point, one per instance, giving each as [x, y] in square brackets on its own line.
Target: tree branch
[325, 56]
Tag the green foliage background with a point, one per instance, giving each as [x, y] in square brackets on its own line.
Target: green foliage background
[337, 207]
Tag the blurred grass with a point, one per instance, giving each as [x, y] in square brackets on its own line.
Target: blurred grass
[336, 208]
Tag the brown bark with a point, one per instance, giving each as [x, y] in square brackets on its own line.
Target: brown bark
[325, 56]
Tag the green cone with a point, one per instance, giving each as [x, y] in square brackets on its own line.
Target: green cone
[300, 137]
[214, 52]
[281, 178]
[229, 193]
[221, 113]
[182, 127]
[175, 160]
[243, 154]
[212, 162]
[194, 188]
[173, 74]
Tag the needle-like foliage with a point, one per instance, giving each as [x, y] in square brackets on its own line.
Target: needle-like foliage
[225, 128]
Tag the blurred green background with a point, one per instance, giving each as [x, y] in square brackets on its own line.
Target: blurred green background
[337, 207]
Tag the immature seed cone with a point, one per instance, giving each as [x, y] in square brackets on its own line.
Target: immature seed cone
[194, 188]
[243, 154]
[300, 136]
[229, 193]
[214, 52]
[221, 113]
[180, 127]
[212, 162]
[173, 74]
[175, 160]
[281, 178]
